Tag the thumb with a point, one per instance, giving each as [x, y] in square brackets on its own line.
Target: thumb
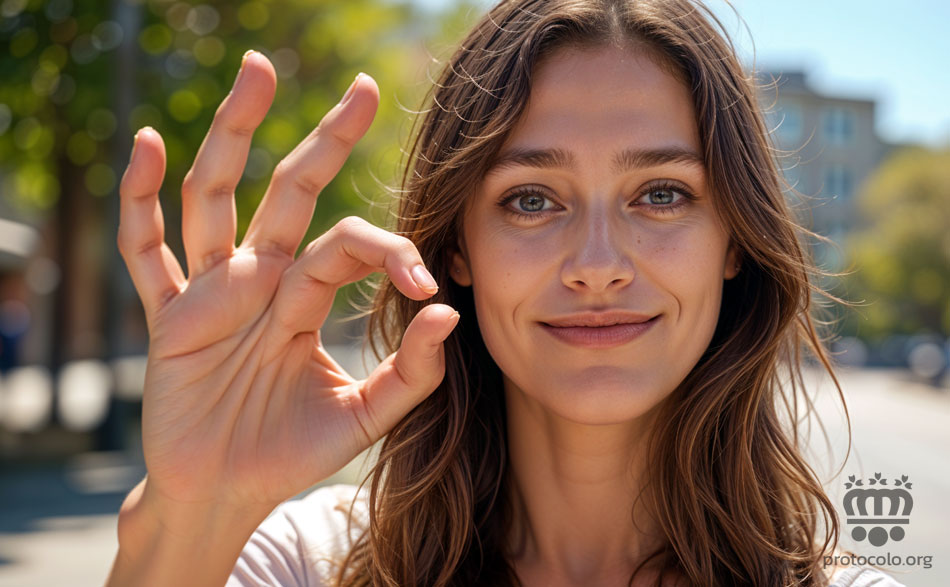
[409, 375]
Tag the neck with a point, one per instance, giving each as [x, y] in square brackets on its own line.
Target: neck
[575, 489]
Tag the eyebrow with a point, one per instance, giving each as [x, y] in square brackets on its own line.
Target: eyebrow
[624, 160]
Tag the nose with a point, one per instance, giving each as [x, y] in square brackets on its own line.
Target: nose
[601, 258]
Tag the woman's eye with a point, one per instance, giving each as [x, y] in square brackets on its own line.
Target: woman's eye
[527, 203]
[530, 203]
[664, 198]
[661, 196]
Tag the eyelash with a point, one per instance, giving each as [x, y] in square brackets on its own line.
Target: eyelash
[686, 198]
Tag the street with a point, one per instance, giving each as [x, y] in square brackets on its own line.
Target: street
[58, 525]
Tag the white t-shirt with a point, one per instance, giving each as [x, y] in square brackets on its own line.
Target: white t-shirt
[303, 540]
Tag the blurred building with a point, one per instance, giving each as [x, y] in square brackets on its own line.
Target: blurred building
[829, 148]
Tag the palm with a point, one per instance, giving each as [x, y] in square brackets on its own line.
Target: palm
[210, 325]
[242, 403]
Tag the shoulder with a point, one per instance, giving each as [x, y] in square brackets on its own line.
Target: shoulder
[303, 540]
[863, 577]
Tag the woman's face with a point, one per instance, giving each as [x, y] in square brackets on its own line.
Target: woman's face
[609, 210]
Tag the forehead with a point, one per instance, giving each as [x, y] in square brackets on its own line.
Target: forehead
[591, 99]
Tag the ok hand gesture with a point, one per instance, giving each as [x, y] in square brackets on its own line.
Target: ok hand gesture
[242, 404]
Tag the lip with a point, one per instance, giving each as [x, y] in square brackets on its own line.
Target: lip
[599, 337]
[602, 318]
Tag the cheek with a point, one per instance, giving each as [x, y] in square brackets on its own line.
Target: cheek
[507, 274]
[690, 269]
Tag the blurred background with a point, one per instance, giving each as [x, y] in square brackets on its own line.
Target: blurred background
[855, 94]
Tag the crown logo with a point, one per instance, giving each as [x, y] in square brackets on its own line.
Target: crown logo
[885, 508]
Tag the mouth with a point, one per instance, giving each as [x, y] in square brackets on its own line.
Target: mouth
[604, 336]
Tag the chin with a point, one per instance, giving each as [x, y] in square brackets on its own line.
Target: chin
[598, 400]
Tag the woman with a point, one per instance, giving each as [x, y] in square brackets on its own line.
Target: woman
[594, 191]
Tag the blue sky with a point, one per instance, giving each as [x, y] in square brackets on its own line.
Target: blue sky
[893, 52]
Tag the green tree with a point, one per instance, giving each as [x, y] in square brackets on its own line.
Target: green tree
[80, 77]
[901, 251]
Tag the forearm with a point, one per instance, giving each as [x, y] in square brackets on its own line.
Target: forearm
[180, 545]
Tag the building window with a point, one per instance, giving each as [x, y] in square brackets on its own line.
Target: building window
[838, 181]
[788, 123]
[837, 125]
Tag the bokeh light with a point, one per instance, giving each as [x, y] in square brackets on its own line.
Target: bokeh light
[145, 115]
[26, 399]
[81, 148]
[83, 50]
[100, 179]
[83, 393]
[107, 35]
[209, 51]
[5, 118]
[155, 39]
[202, 19]
[184, 105]
[253, 15]
[101, 124]
[23, 42]
[57, 10]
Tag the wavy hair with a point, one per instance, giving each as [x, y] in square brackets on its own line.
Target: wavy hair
[735, 501]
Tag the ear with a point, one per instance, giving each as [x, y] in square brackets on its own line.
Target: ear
[460, 271]
[733, 264]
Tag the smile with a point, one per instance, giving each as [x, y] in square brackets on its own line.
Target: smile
[599, 337]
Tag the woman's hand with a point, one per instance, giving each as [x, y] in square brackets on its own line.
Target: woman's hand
[242, 404]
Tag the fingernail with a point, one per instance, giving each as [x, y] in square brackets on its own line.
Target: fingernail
[424, 280]
[243, 61]
[454, 319]
[135, 141]
[349, 91]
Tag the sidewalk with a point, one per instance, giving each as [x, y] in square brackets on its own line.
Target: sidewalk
[58, 523]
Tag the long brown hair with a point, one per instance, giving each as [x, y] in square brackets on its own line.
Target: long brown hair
[733, 497]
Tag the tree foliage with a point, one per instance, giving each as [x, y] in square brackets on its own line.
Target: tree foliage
[902, 249]
[79, 78]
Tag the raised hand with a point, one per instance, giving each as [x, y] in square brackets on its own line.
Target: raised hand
[242, 404]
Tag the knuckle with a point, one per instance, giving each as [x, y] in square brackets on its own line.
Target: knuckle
[307, 186]
[125, 192]
[366, 417]
[342, 138]
[189, 185]
[288, 175]
[120, 242]
[146, 246]
[332, 131]
[308, 250]
[229, 118]
[280, 171]
[238, 130]
[193, 185]
[351, 224]
[406, 247]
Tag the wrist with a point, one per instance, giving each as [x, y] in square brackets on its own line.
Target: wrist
[163, 542]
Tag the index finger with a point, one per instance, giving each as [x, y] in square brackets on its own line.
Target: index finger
[348, 252]
[282, 219]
